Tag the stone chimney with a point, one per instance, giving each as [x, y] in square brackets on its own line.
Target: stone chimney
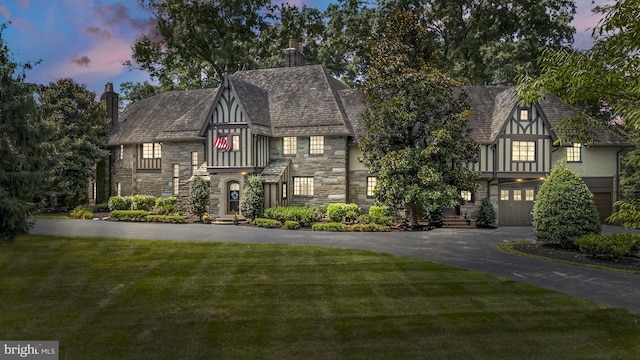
[293, 55]
[109, 100]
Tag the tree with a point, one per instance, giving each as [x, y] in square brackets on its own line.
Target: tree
[564, 209]
[486, 214]
[416, 141]
[609, 71]
[199, 196]
[78, 139]
[22, 135]
[252, 202]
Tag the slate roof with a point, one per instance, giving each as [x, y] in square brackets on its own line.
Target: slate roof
[274, 170]
[491, 106]
[303, 100]
[255, 102]
[169, 116]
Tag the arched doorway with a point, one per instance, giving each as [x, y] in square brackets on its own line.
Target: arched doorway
[233, 197]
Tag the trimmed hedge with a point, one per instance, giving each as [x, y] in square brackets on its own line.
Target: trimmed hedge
[173, 219]
[266, 223]
[143, 202]
[608, 245]
[165, 206]
[102, 207]
[292, 225]
[120, 203]
[130, 215]
[340, 227]
[330, 226]
[339, 211]
[304, 215]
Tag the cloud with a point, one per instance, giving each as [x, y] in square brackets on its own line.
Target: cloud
[98, 31]
[81, 60]
[4, 11]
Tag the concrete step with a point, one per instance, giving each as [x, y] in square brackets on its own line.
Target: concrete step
[228, 220]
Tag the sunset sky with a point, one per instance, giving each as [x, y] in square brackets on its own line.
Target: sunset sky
[89, 40]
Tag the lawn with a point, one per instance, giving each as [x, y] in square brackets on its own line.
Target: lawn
[121, 299]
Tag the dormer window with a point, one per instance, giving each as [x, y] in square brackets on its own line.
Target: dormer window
[524, 114]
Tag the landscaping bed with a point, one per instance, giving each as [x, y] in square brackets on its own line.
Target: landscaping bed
[630, 263]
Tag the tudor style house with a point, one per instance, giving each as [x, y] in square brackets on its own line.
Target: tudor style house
[297, 127]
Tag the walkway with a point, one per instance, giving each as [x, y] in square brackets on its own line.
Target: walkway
[473, 249]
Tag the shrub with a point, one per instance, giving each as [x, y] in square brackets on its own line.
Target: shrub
[174, 219]
[564, 209]
[628, 214]
[199, 196]
[292, 225]
[266, 223]
[252, 201]
[103, 207]
[608, 245]
[165, 206]
[330, 226]
[339, 211]
[143, 202]
[81, 212]
[129, 215]
[304, 215]
[120, 203]
[486, 214]
[368, 227]
[380, 215]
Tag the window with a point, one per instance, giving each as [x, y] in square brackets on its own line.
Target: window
[523, 115]
[303, 186]
[517, 195]
[504, 195]
[235, 142]
[284, 190]
[176, 179]
[371, 185]
[523, 150]
[466, 195]
[94, 192]
[151, 151]
[528, 194]
[121, 154]
[194, 162]
[574, 153]
[289, 145]
[316, 145]
[119, 189]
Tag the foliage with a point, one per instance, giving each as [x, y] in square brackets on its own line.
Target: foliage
[143, 202]
[382, 215]
[341, 211]
[78, 126]
[81, 212]
[302, 214]
[199, 196]
[609, 71]
[628, 214]
[330, 226]
[564, 209]
[252, 201]
[132, 92]
[102, 207]
[165, 206]
[173, 219]
[415, 141]
[129, 215]
[120, 203]
[22, 134]
[608, 245]
[292, 225]
[266, 223]
[486, 214]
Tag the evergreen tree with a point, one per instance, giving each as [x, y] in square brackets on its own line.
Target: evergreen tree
[199, 196]
[21, 144]
[252, 202]
[486, 214]
[416, 142]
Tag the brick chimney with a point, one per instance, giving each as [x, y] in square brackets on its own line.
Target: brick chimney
[109, 100]
[293, 55]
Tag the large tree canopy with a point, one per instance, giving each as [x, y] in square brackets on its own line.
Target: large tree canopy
[608, 72]
[21, 144]
[416, 142]
[78, 137]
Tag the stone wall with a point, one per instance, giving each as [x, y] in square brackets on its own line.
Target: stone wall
[358, 189]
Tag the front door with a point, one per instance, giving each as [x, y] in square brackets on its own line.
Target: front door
[233, 191]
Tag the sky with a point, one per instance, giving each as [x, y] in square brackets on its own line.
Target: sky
[89, 40]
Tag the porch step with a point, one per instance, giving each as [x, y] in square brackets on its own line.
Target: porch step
[457, 222]
[228, 220]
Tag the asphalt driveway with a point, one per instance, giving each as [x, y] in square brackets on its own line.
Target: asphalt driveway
[473, 249]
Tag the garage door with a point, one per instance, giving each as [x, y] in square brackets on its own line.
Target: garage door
[515, 206]
[603, 204]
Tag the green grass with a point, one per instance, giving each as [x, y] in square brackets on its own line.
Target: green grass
[122, 299]
[48, 216]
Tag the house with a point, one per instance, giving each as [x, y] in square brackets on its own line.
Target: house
[297, 126]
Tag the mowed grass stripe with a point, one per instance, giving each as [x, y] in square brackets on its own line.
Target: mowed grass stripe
[105, 298]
